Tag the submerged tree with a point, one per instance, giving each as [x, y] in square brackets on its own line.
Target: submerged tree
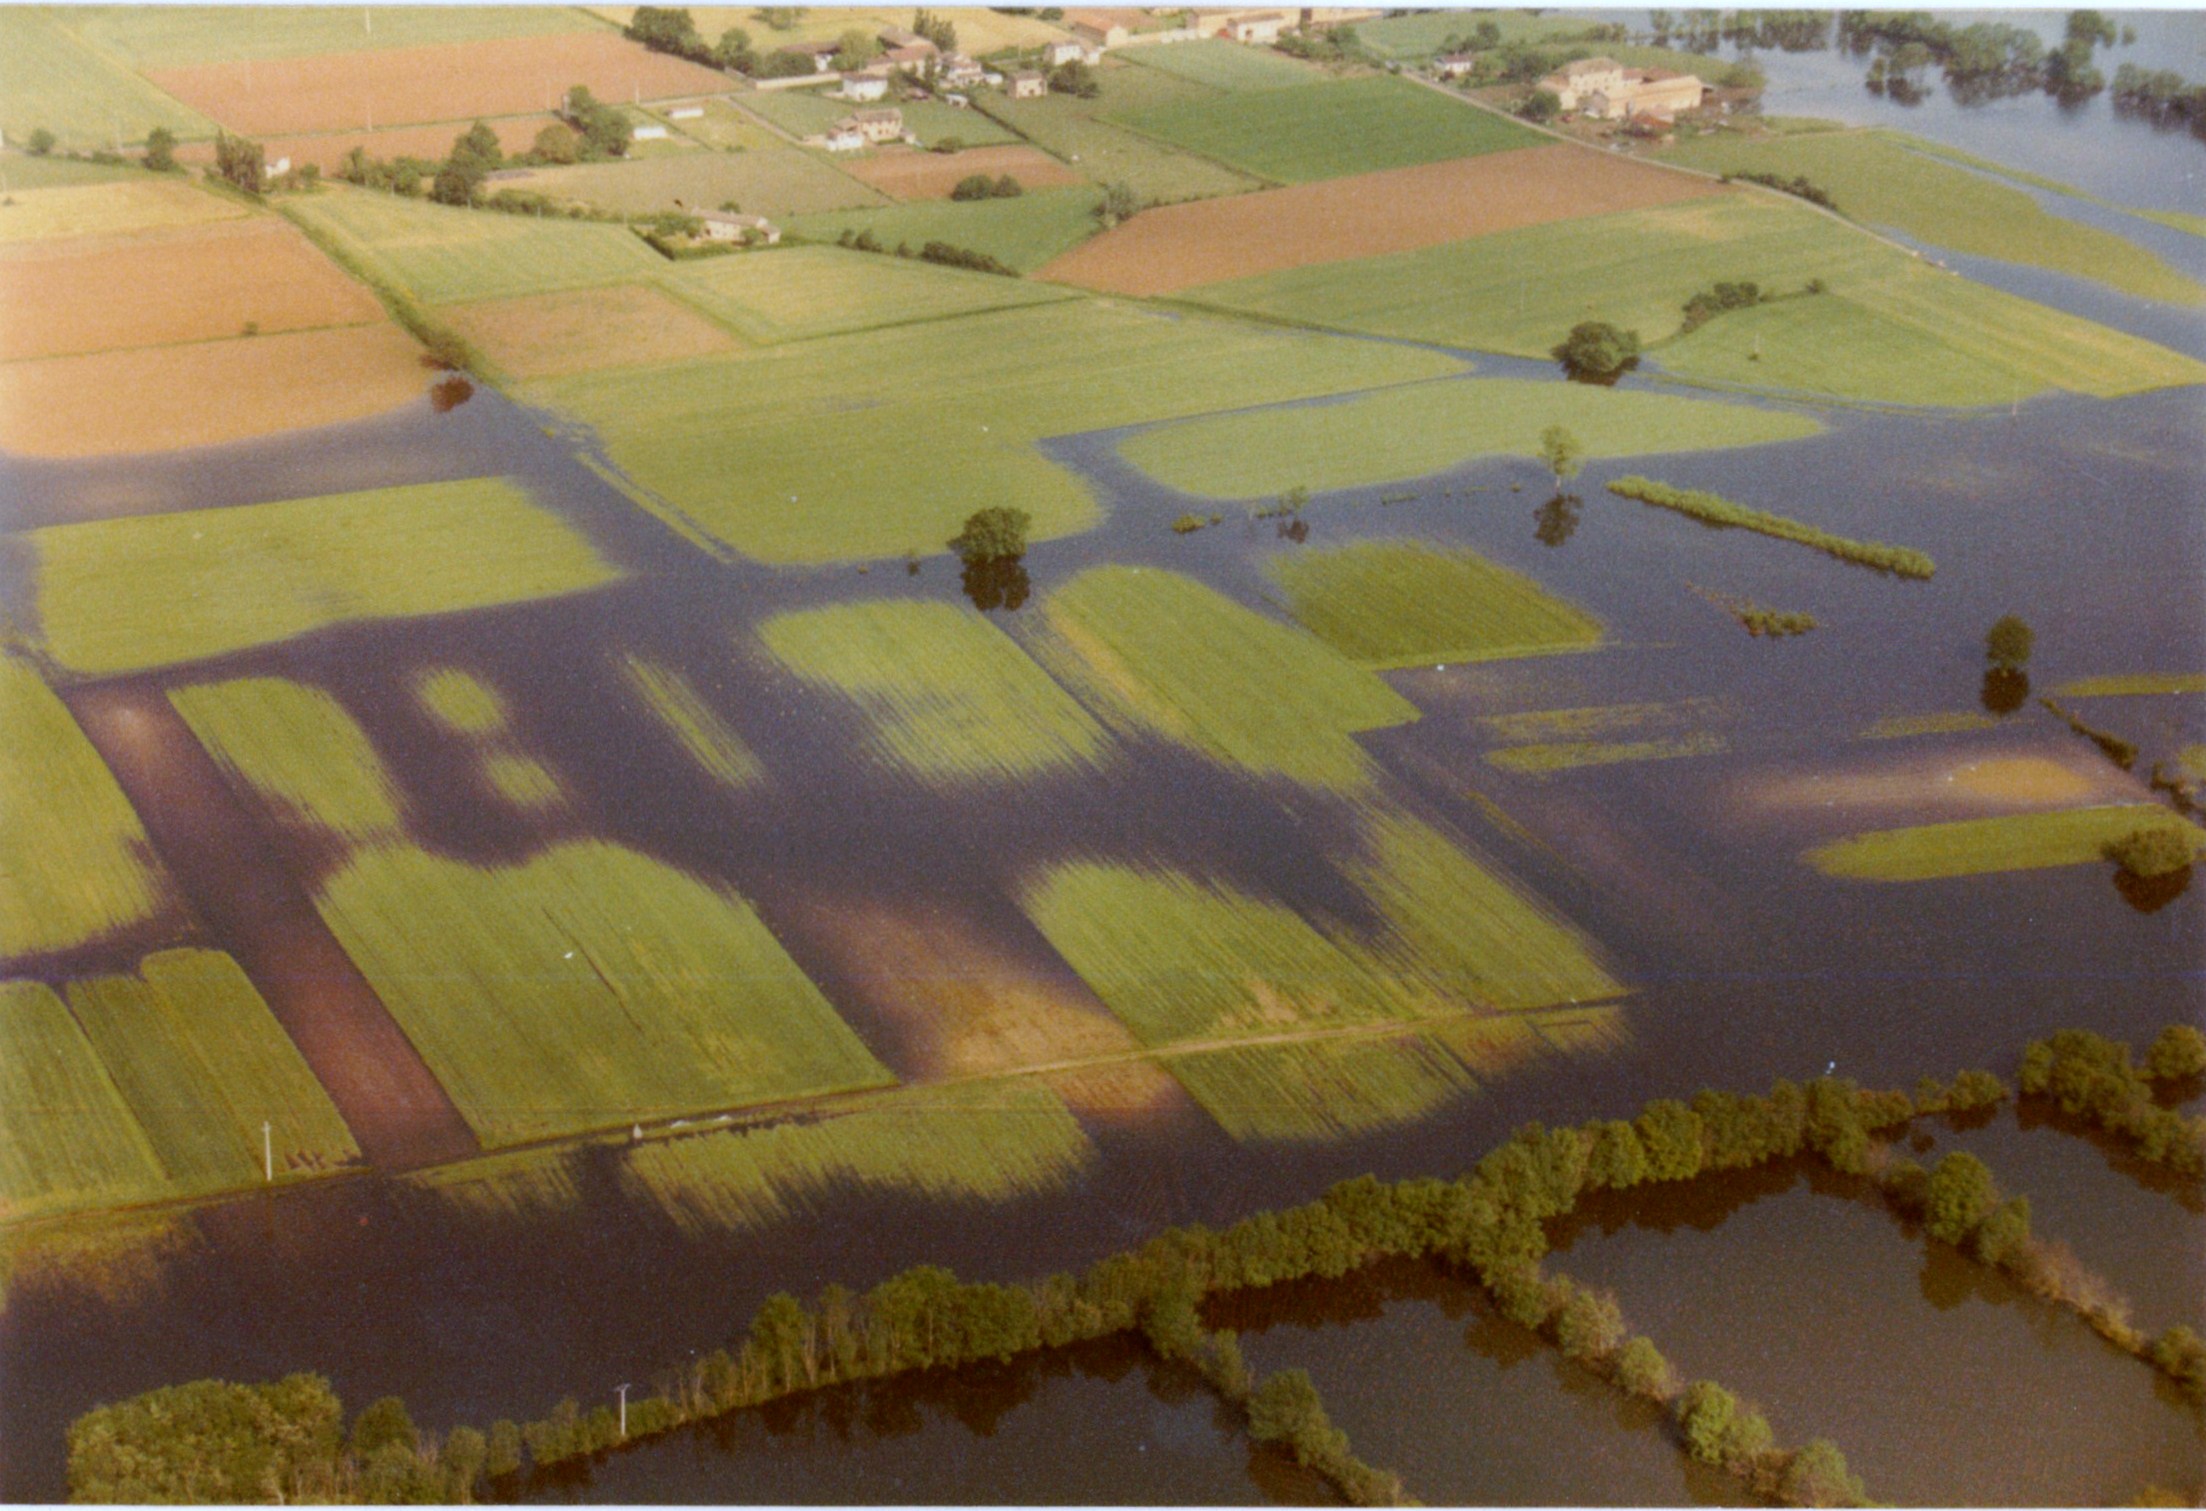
[2007, 644]
[1563, 454]
[993, 534]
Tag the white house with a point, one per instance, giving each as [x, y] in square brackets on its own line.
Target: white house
[726, 225]
[685, 112]
[1058, 54]
[865, 84]
[651, 133]
[1026, 85]
[876, 125]
[958, 71]
[843, 136]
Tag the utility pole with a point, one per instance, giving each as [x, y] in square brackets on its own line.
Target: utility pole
[268, 1152]
[624, 1411]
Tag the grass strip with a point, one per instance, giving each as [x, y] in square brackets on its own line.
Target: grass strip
[1715, 509]
[1599, 719]
[2133, 685]
[294, 747]
[1566, 755]
[2011, 842]
[70, 1138]
[683, 712]
[1322, 1090]
[1396, 603]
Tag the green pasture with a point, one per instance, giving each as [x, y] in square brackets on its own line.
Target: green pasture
[1160, 653]
[1022, 233]
[1322, 1089]
[587, 987]
[694, 724]
[722, 126]
[2012, 842]
[1421, 34]
[1391, 603]
[50, 78]
[1891, 328]
[119, 595]
[1419, 429]
[173, 36]
[1880, 179]
[947, 696]
[795, 293]
[67, 1138]
[296, 749]
[988, 1141]
[1225, 65]
[1311, 131]
[202, 1063]
[2133, 685]
[1541, 758]
[872, 445]
[809, 112]
[934, 123]
[774, 179]
[75, 863]
[1076, 131]
[445, 255]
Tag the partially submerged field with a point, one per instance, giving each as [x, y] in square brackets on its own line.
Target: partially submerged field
[1389, 603]
[2010, 842]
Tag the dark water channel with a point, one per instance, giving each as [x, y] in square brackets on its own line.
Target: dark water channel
[2088, 517]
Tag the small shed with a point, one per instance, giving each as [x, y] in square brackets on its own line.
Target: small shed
[1026, 84]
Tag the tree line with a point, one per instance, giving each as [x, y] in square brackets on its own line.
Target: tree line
[1714, 509]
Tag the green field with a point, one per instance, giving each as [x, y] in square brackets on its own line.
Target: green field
[26, 172]
[49, 78]
[75, 863]
[989, 1141]
[1891, 328]
[1421, 34]
[695, 725]
[1323, 1089]
[121, 595]
[1313, 131]
[67, 1139]
[1162, 654]
[947, 696]
[809, 112]
[172, 36]
[1568, 755]
[756, 452]
[1022, 232]
[1403, 603]
[460, 701]
[296, 749]
[587, 987]
[1224, 65]
[202, 1063]
[1428, 427]
[794, 293]
[444, 255]
[774, 180]
[2133, 685]
[1877, 178]
[1075, 131]
[2013, 842]
[722, 126]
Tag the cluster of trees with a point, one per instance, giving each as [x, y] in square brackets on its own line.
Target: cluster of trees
[981, 186]
[2151, 851]
[1076, 79]
[593, 132]
[1335, 44]
[1981, 61]
[2161, 96]
[1757, 619]
[1119, 203]
[991, 547]
[240, 162]
[1799, 186]
[672, 29]
[934, 251]
[2093, 1077]
[1720, 299]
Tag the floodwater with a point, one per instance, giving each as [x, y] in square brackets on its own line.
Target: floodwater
[2089, 518]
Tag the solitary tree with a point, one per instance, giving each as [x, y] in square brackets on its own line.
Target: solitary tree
[240, 162]
[39, 142]
[993, 534]
[2179, 1051]
[2008, 643]
[161, 149]
[1564, 454]
[1597, 352]
[1962, 1195]
[1120, 203]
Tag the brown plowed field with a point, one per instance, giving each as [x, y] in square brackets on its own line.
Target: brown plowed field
[406, 85]
[194, 284]
[901, 173]
[548, 335]
[1399, 210]
[328, 149]
[158, 398]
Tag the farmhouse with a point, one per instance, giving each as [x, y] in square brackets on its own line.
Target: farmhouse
[1261, 29]
[821, 55]
[865, 84]
[843, 136]
[1454, 65]
[910, 59]
[958, 71]
[649, 133]
[1026, 85]
[876, 125]
[726, 225]
[1606, 90]
[1057, 54]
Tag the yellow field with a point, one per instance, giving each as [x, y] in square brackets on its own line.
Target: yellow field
[104, 209]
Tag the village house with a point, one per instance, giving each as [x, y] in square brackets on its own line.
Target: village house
[864, 84]
[912, 60]
[821, 55]
[653, 132]
[843, 136]
[958, 71]
[1606, 90]
[876, 125]
[1058, 54]
[1026, 85]
[727, 225]
[1454, 65]
[1260, 30]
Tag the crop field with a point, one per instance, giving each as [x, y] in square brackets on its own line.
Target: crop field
[682, 711]
[774, 180]
[809, 112]
[1160, 653]
[1327, 130]
[796, 293]
[583, 330]
[1421, 34]
[70, 1140]
[2011, 842]
[76, 863]
[1075, 131]
[1225, 65]
[1419, 429]
[202, 1064]
[58, 298]
[514, 980]
[903, 174]
[298, 751]
[1544, 757]
[327, 149]
[948, 696]
[1393, 603]
[105, 207]
[732, 447]
[1876, 177]
[1890, 328]
[445, 255]
[989, 1141]
[1324, 1089]
[168, 36]
[1181, 246]
[50, 78]
[2133, 685]
[67, 406]
[453, 81]
[127, 594]
[1022, 233]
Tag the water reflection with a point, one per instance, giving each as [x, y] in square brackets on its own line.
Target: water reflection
[996, 583]
[450, 393]
[2149, 894]
[2004, 690]
[1556, 520]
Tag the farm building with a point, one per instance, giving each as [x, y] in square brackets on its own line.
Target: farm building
[876, 125]
[1606, 90]
[865, 84]
[958, 71]
[727, 225]
[685, 113]
[648, 133]
[910, 59]
[821, 54]
[1026, 85]
[843, 136]
[1261, 29]
[1454, 65]
[894, 37]
[1057, 54]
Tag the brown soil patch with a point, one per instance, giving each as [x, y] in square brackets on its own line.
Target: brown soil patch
[1939, 784]
[327, 150]
[454, 81]
[548, 335]
[1177, 247]
[159, 398]
[2022, 779]
[904, 173]
[59, 297]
